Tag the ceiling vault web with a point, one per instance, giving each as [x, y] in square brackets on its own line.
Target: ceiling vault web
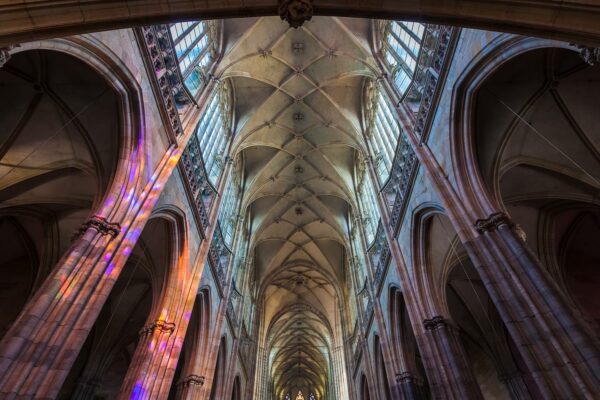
[298, 127]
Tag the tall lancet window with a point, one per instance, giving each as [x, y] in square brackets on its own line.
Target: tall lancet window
[382, 131]
[401, 47]
[369, 213]
[214, 131]
[228, 216]
[195, 47]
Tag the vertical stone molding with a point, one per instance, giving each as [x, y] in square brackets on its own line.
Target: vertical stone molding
[449, 372]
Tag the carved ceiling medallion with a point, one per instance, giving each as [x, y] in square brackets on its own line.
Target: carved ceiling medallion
[295, 12]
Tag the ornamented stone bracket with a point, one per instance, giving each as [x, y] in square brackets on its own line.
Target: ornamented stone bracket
[492, 222]
[158, 326]
[295, 12]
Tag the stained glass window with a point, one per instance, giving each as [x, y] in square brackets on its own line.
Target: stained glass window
[401, 49]
[300, 396]
[194, 50]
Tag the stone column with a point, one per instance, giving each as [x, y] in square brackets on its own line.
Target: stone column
[448, 369]
[559, 349]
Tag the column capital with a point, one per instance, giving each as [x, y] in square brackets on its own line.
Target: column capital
[492, 222]
[436, 322]
[191, 380]
[407, 377]
[158, 325]
[100, 225]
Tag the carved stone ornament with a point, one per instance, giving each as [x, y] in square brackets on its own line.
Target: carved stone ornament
[405, 377]
[591, 55]
[101, 225]
[492, 222]
[5, 54]
[295, 12]
[192, 380]
[436, 322]
[158, 325]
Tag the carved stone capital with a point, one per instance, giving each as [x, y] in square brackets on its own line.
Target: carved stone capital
[5, 53]
[101, 225]
[492, 222]
[191, 380]
[158, 326]
[436, 322]
[406, 377]
[295, 12]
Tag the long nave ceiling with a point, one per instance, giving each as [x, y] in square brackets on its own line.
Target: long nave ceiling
[298, 130]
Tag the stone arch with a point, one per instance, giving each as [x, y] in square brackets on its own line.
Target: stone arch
[236, 393]
[47, 195]
[428, 283]
[218, 381]
[365, 393]
[542, 155]
[470, 183]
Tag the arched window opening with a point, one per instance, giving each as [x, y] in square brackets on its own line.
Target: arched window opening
[195, 47]
[401, 48]
[214, 131]
[228, 215]
[382, 131]
[367, 200]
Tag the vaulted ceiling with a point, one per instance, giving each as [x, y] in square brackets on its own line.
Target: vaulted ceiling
[298, 129]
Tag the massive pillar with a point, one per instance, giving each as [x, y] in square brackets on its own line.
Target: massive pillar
[450, 374]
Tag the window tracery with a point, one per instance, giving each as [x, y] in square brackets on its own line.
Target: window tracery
[214, 131]
[382, 130]
[195, 47]
[401, 47]
[228, 216]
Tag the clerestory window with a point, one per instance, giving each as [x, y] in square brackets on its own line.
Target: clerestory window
[195, 50]
[214, 131]
[382, 132]
[401, 48]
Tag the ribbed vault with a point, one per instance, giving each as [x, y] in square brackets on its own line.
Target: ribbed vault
[298, 95]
